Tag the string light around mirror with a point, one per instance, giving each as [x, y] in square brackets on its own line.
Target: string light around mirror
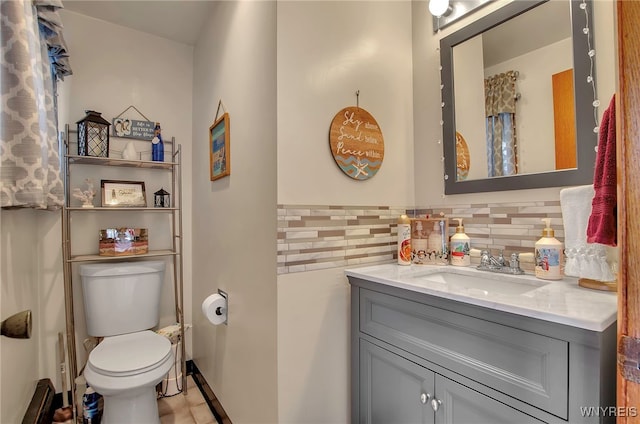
[590, 80]
[439, 142]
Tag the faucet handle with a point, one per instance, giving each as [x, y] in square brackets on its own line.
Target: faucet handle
[514, 262]
[484, 257]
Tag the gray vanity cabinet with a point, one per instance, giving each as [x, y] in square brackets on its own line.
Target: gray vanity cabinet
[394, 390]
[418, 358]
[461, 405]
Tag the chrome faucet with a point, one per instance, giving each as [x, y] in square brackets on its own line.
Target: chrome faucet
[499, 264]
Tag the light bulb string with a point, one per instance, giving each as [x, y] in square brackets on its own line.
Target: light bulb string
[439, 142]
[591, 53]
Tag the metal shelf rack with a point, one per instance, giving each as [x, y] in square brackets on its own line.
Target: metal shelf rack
[175, 251]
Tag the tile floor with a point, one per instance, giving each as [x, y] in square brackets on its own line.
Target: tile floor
[189, 409]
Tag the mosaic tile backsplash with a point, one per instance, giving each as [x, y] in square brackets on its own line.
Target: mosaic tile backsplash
[314, 237]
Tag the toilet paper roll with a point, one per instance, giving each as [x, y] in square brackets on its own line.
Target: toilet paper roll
[214, 308]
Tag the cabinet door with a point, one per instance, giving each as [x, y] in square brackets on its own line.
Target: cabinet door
[393, 389]
[458, 404]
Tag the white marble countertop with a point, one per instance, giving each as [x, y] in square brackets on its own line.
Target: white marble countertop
[560, 301]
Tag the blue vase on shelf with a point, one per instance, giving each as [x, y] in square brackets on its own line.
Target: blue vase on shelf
[157, 146]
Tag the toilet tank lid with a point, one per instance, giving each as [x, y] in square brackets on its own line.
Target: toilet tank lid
[121, 268]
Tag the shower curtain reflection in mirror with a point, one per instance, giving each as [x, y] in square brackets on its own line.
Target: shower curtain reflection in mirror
[500, 112]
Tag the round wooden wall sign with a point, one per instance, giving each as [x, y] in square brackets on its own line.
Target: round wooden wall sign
[356, 143]
[463, 160]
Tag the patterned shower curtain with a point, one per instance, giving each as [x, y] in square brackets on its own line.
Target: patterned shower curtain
[33, 60]
[500, 112]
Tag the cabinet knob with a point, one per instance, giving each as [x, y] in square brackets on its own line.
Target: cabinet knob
[435, 404]
[424, 398]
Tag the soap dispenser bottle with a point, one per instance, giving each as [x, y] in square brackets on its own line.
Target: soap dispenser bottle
[460, 246]
[418, 242]
[436, 238]
[548, 254]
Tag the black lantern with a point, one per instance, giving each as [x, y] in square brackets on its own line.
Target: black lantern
[93, 135]
[161, 199]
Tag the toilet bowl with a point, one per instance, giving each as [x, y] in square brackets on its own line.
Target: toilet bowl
[122, 304]
[125, 370]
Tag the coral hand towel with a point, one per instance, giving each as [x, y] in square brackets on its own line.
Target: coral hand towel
[602, 222]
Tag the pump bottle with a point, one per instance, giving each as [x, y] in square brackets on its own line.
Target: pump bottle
[548, 254]
[435, 243]
[419, 242]
[460, 246]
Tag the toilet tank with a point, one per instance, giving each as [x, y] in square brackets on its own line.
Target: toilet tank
[121, 297]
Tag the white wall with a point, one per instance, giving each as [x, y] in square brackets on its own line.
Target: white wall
[468, 70]
[114, 67]
[234, 245]
[326, 52]
[19, 291]
[427, 113]
[368, 48]
[314, 362]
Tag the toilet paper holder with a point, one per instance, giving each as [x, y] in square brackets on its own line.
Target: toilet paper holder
[216, 307]
[220, 310]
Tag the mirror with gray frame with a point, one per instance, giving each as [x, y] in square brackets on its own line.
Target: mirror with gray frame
[540, 51]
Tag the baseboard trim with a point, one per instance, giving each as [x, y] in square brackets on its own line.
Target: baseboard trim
[207, 393]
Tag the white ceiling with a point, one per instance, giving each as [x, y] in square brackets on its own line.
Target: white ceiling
[182, 20]
[179, 21]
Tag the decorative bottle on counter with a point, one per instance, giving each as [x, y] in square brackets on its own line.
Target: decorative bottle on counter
[460, 246]
[419, 242]
[548, 254]
[404, 240]
[157, 146]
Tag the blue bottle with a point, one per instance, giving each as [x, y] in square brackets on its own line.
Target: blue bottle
[91, 413]
[157, 146]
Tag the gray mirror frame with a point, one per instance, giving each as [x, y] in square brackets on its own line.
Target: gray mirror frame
[586, 139]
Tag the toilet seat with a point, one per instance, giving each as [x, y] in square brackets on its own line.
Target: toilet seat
[130, 354]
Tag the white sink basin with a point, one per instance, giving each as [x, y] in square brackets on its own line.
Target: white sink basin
[480, 286]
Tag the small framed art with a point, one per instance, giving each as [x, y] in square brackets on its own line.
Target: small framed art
[123, 193]
[219, 162]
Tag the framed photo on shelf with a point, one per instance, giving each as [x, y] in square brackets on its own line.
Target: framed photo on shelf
[219, 140]
[123, 193]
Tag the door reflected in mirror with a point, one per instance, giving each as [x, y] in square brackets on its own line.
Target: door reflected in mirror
[514, 95]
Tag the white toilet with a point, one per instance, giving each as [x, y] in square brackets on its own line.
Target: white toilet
[121, 303]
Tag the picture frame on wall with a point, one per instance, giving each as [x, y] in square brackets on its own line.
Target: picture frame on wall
[123, 194]
[219, 148]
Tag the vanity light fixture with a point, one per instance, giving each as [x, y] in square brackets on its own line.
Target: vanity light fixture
[446, 12]
[440, 8]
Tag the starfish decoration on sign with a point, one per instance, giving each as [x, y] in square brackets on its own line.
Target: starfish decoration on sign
[360, 166]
